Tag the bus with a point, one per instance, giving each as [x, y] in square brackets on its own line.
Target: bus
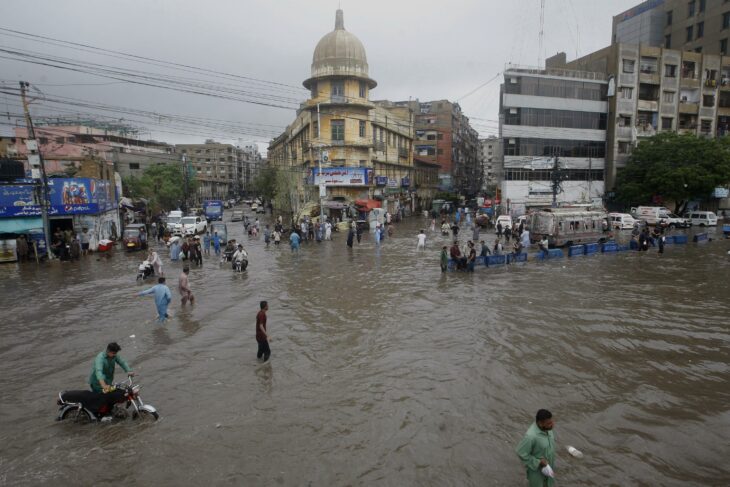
[569, 226]
[213, 210]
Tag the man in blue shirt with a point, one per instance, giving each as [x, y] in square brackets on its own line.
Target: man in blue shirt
[294, 240]
[162, 298]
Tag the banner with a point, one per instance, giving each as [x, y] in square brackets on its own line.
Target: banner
[342, 176]
[68, 196]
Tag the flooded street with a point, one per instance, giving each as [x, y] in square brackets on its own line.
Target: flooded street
[384, 371]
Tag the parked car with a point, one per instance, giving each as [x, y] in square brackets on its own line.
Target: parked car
[131, 237]
[621, 221]
[221, 229]
[237, 216]
[261, 209]
[173, 222]
[254, 207]
[192, 225]
[703, 218]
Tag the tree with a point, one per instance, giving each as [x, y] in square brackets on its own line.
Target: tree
[264, 184]
[675, 167]
[162, 185]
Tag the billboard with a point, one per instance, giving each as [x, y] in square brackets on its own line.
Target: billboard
[342, 176]
[68, 196]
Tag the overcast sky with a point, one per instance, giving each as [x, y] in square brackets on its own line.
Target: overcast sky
[416, 49]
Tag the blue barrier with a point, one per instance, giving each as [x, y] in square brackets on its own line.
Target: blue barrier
[726, 229]
[609, 247]
[680, 239]
[555, 254]
[516, 258]
[700, 237]
[576, 250]
[591, 248]
[493, 260]
[481, 260]
[669, 240]
[623, 248]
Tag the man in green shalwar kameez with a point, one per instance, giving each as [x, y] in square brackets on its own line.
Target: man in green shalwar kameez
[537, 449]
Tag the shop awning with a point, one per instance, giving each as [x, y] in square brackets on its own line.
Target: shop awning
[20, 224]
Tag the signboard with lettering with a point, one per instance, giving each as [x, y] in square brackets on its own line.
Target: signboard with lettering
[405, 182]
[392, 183]
[342, 176]
[68, 196]
[721, 192]
[381, 180]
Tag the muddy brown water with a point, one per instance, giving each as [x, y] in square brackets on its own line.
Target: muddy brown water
[384, 371]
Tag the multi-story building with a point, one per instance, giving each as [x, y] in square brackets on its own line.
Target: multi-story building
[444, 136]
[490, 158]
[548, 113]
[701, 26]
[221, 170]
[655, 89]
[365, 148]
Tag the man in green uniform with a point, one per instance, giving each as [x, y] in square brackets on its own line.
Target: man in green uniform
[537, 449]
[102, 372]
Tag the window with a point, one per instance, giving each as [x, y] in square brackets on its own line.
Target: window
[314, 89]
[363, 89]
[708, 101]
[315, 129]
[670, 70]
[723, 47]
[690, 31]
[337, 88]
[624, 148]
[668, 41]
[669, 18]
[440, 136]
[706, 126]
[134, 165]
[627, 93]
[59, 140]
[691, 8]
[688, 70]
[624, 121]
[648, 65]
[700, 29]
[668, 97]
[702, 6]
[362, 128]
[667, 123]
[726, 20]
[628, 65]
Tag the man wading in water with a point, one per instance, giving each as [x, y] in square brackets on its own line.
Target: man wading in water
[537, 450]
[262, 337]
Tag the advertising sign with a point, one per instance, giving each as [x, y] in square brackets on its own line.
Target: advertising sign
[342, 176]
[392, 183]
[68, 196]
[381, 180]
[721, 192]
[405, 182]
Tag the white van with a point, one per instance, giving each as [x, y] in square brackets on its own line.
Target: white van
[703, 218]
[652, 215]
[621, 221]
[505, 220]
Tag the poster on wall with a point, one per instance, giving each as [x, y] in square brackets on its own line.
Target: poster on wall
[342, 176]
[68, 196]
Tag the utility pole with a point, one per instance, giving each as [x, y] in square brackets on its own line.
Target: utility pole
[35, 161]
[556, 180]
[321, 177]
[185, 177]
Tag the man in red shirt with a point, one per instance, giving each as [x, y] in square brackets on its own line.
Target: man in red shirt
[262, 337]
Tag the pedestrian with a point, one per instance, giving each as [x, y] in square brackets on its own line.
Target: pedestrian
[457, 256]
[472, 258]
[162, 298]
[143, 238]
[350, 237]
[75, 249]
[267, 235]
[277, 237]
[196, 253]
[444, 259]
[484, 250]
[497, 250]
[310, 231]
[262, 336]
[468, 218]
[391, 229]
[294, 241]
[544, 245]
[327, 231]
[304, 229]
[160, 232]
[507, 233]
[216, 244]
[536, 450]
[155, 262]
[84, 239]
[475, 233]
[21, 247]
[661, 240]
[499, 229]
[183, 286]
[378, 234]
[206, 243]
[433, 225]
[185, 248]
[455, 229]
[358, 232]
[525, 236]
[421, 245]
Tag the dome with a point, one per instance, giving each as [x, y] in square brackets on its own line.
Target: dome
[340, 53]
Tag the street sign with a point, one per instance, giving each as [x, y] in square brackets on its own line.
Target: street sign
[34, 160]
[31, 145]
[322, 190]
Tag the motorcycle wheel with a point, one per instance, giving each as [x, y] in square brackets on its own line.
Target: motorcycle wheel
[145, 416]
[77, 415]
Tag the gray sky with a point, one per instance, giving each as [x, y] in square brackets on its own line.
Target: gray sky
[416, 49]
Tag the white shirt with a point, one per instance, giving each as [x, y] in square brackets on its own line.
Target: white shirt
[240, 255]
[422, 239]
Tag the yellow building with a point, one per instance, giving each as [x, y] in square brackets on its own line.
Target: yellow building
[365, 147]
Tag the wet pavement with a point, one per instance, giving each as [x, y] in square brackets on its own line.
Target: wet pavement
[384, 371]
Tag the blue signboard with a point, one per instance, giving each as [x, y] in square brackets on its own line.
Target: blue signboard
[405, 182]
[381, 180]
[68, 196]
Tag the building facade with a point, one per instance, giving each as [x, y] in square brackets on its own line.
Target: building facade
[490, 159]
[548, 113]
[701, 26]
[364, 148]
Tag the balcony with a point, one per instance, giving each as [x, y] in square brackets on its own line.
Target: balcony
[623, 132]
[648, 105]
[689, 107]
[645, 130]
[402, 152]
[380, 146]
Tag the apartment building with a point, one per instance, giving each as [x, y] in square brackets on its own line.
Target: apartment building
[548, 113]
[217, 167]
[490, 159]
[655, 89]
[701, 26]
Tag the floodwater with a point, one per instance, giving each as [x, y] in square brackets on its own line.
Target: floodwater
[384, 371]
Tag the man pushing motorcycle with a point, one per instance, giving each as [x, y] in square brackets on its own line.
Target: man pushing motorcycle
[102, 372]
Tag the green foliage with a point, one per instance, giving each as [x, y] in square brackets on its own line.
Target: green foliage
[162, 185]
[675, 167]
[265, 182]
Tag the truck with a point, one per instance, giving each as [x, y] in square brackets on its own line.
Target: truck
[653, 215]
[213, 210]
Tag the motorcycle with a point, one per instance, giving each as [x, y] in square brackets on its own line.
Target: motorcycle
[240, 265]
[145, 270]
[90, 406]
